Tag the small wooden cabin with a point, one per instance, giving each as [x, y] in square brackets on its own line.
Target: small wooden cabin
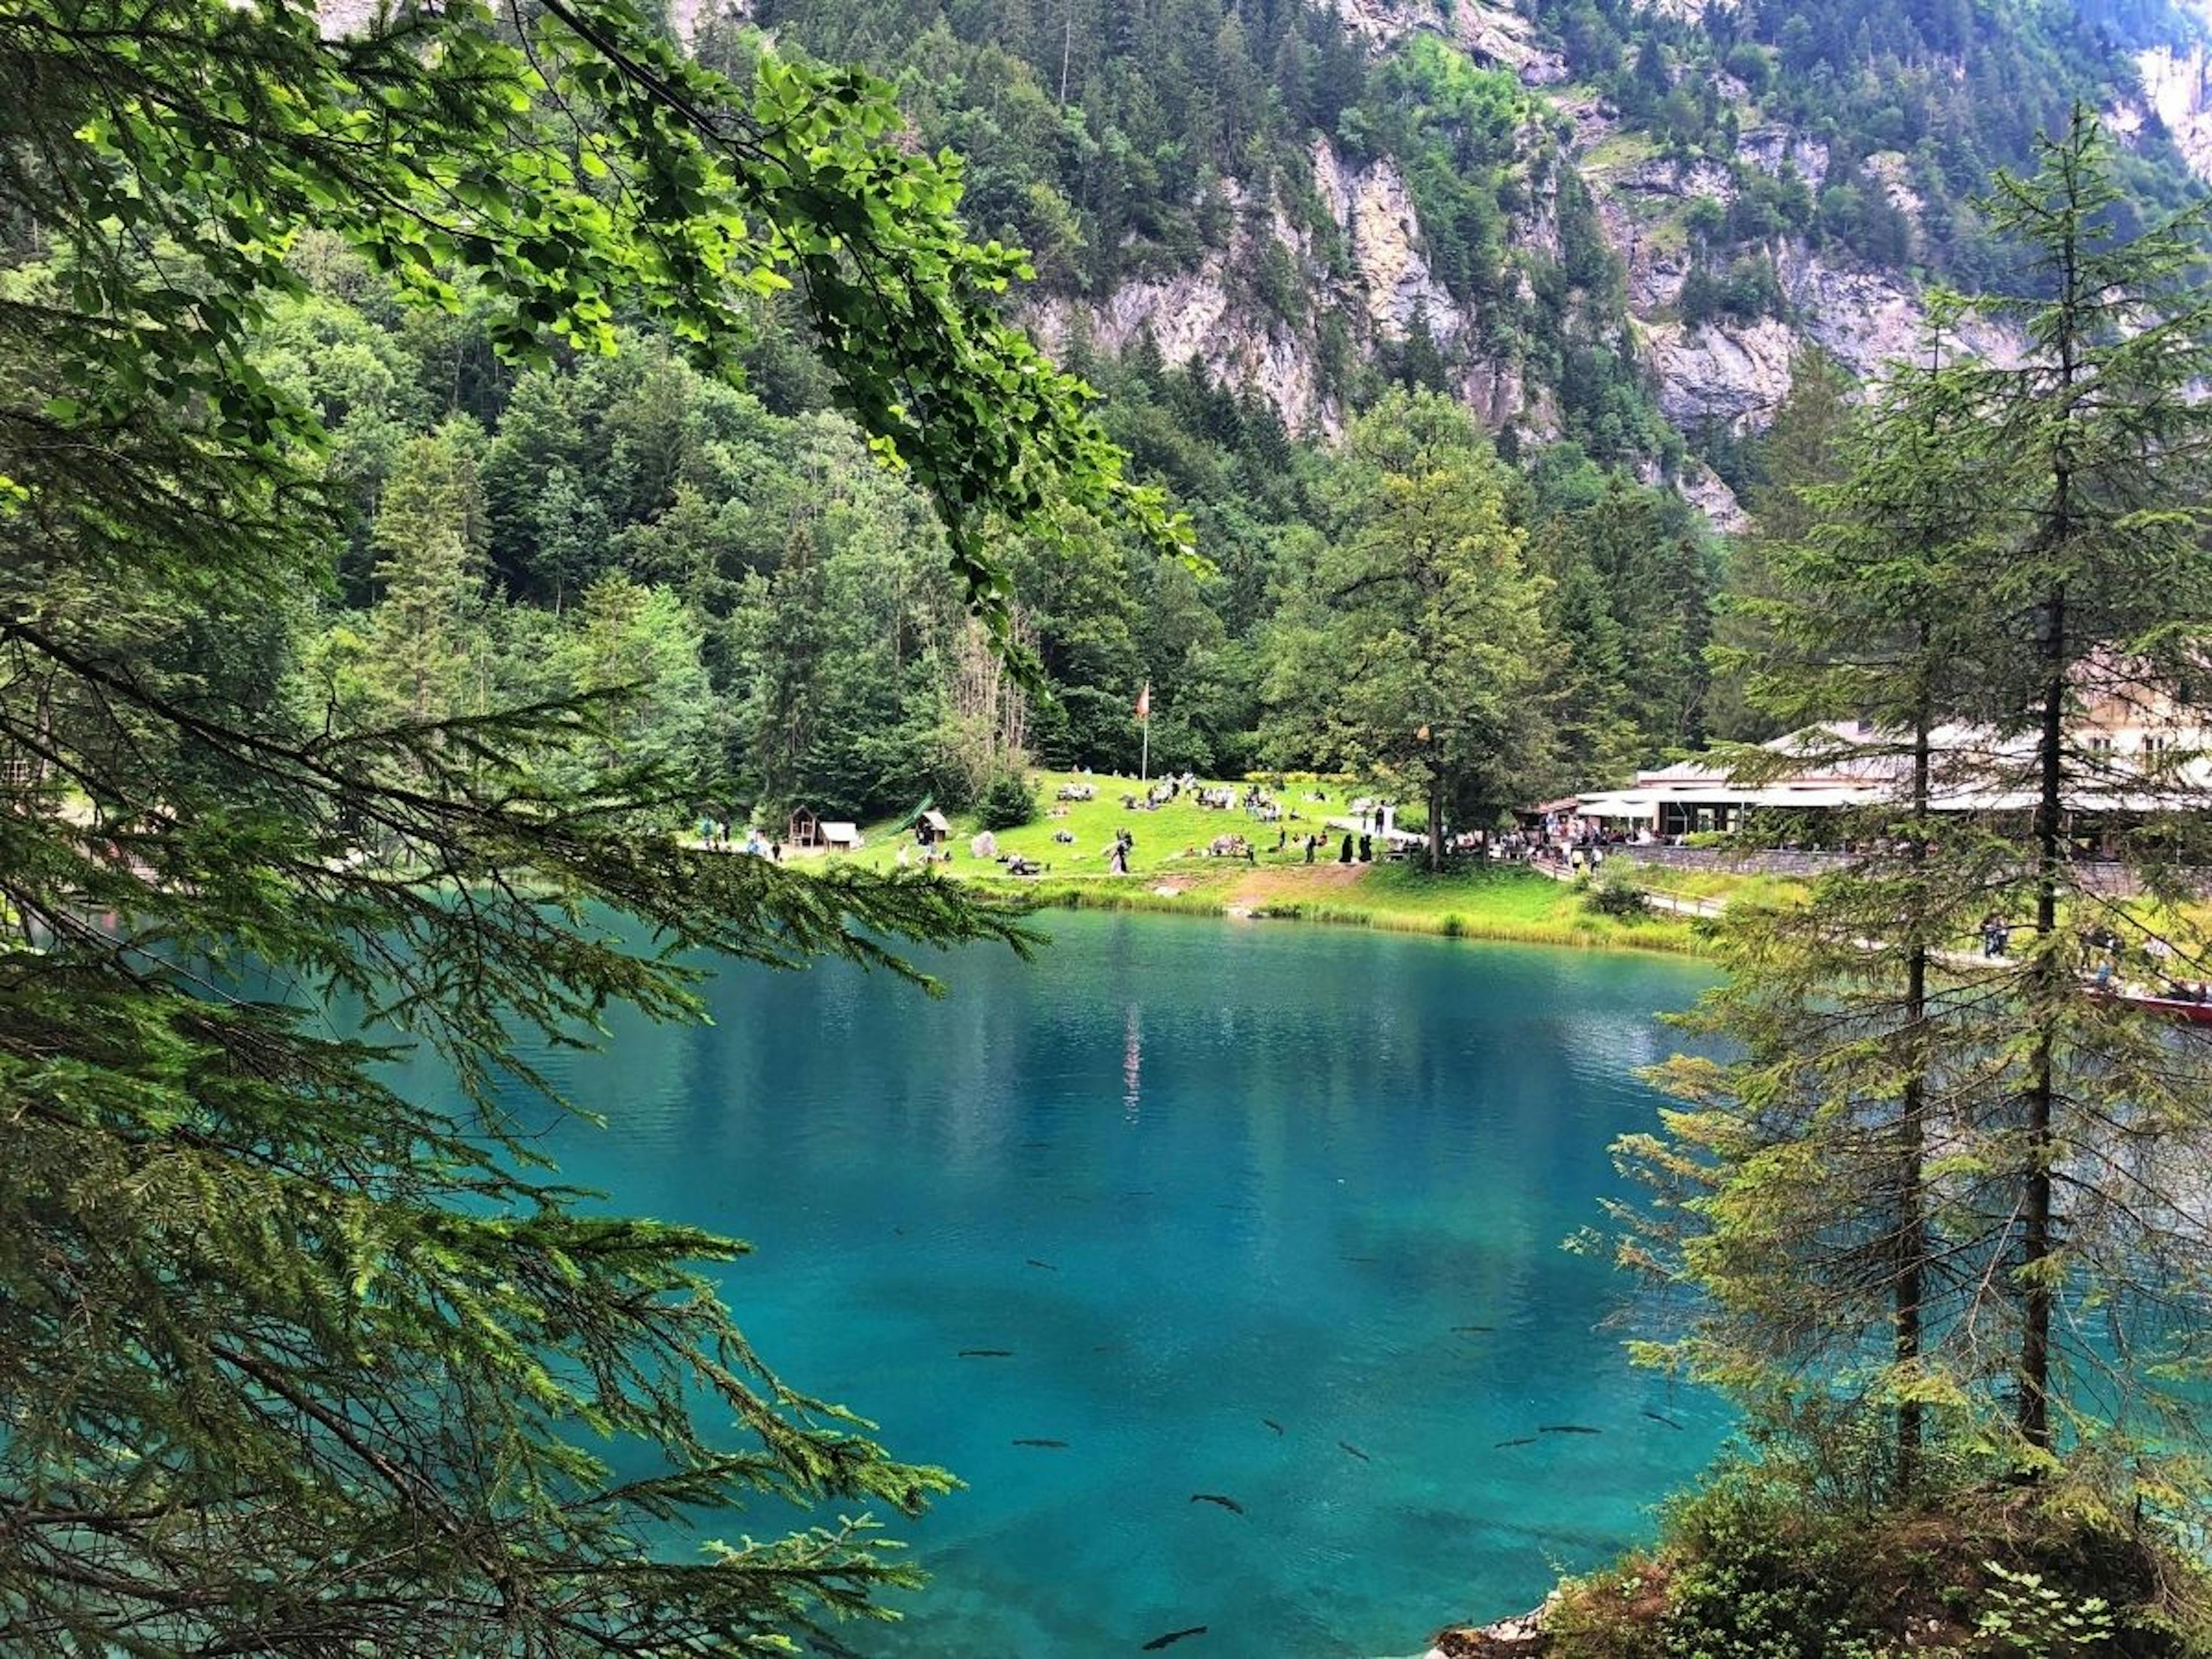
[803, 831]
[932, 829]
[840, 838]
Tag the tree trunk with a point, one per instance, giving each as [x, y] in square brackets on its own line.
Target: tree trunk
[1912, 1128]
[2049, 977]
[1436, 819]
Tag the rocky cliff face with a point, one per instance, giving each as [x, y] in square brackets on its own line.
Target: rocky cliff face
[1736, 373]
[1492, 34]
[2178, 90]
[1718, 375]
[1208, 315]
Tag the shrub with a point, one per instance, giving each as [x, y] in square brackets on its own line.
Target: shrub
[1774, 1560]
[1760, 1582]
[2024, 1615]
[1007, 802]
[1616, 895]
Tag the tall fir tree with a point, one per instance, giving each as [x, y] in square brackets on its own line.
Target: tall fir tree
[1978, 1154]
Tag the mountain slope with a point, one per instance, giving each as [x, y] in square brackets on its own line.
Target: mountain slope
[1590, 219]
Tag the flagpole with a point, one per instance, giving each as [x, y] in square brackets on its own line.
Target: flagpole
[1144, 726]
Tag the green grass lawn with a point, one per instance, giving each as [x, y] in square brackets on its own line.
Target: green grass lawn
[1169, 870]
[1725, 884]
[1162, 837]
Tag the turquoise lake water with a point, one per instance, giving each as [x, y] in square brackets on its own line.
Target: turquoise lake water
[1268, 1169]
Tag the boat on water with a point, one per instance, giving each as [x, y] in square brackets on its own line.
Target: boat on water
[2198, 1014]
[2182, 1008]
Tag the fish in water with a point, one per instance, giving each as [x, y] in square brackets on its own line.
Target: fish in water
[1055, 1445]
[1171, 1639]
[1272, 1423]
[1047, 1266]
[986, 1353]
[1661, 1417]
[1525, 1440]
[1565, 1428]
[1229, 1503]
[1346, 1445]
[1364, 1261]
[1470, 1330]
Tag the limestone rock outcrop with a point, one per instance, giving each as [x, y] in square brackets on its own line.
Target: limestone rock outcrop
[1508, 1638]
[2178, 88]
[1495, 33]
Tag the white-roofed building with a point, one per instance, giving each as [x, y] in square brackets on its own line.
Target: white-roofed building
[2130, 758]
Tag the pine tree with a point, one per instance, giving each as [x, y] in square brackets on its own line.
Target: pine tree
[1794, 455]
[293, 1359]
[1425, 608]
[1806, 1162]
[426, 574]
[794, 640]
[1978, 1155]
[2106, 595]
[572, 538]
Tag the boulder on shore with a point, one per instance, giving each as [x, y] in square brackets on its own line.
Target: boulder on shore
[1508, 1638]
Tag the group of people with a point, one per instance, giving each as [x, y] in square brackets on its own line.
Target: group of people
[714, 837]
[1378, 815]
[1253, 800]
[1349, 852]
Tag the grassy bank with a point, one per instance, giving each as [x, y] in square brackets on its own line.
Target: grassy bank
[1724, 885]
[1170, 871]
[1507, 905]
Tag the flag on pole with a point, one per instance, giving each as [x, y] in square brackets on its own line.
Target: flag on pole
[1145, 703]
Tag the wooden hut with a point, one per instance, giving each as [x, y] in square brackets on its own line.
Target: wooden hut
[931, 828]
[803, 831]
[840, 838]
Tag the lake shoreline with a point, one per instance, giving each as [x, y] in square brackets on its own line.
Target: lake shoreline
[1288, 897]
[1196, 853]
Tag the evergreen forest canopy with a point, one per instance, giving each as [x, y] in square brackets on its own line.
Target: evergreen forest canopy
[778, 610]
[1098, 133]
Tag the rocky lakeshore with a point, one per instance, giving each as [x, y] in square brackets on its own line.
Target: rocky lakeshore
[1508, 1638]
